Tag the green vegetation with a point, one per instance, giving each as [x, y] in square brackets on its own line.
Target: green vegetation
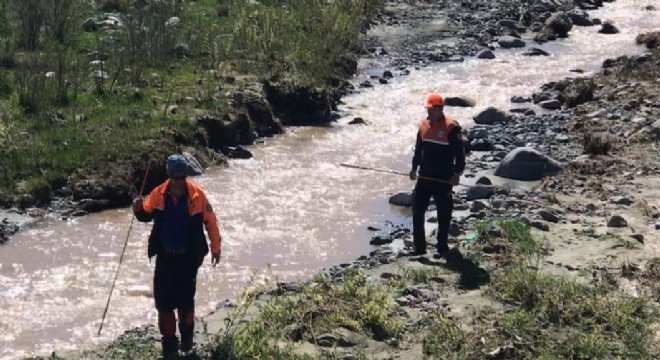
[83, 87]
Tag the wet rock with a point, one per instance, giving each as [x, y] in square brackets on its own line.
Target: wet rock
[617, 221]
[239, 152]
[491, 116]
[520, 99]
[560, 24]
[486, 54]
[580, 17]
[381, 240]
[536, 52]
[485, 191]
[527, 164]
[651, 39]
[382, 81]
[638, 237]
[540, 225]
[481, 145]
[402, 199]
[6, 230]
[91, 205]
[79, 213]
[226, 304]
[608, 28]
[460, 101]
[477, 132]
[621, 200]
[357, 121]
[478, 206]
[509, 42]
[388, 74]
[553, 104]
[548, 216]
[657, 226]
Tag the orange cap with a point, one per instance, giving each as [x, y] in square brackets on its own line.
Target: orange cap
[434, 100]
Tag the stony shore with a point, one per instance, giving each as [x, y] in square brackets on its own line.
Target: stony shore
[573, 258]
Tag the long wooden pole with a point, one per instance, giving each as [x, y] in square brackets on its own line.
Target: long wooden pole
[405, 174]
[121, 258]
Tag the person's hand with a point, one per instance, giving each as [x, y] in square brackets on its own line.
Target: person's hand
[215, 258]
[137, 205]
[413, 175]
[455, 179]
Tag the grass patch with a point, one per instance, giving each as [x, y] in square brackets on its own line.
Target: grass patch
[596, 144]
[321, 307]
[509, 237]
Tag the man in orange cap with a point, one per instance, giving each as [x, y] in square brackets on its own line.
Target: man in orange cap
[439, 155]
[180, 211]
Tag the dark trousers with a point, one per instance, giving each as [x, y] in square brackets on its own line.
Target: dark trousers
[175, 284]
[442, 195]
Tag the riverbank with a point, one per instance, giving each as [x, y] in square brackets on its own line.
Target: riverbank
[406, 301]
[77, 134]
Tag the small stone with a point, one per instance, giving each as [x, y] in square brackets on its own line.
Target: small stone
[381, 240]
[357, 121]
[621, 200]
[402, 199]
[638, 237]
[478, 206]
[387, 276]
[403, 301]
[548, 216]
[657, 226]
[540, 225]
[617, 221]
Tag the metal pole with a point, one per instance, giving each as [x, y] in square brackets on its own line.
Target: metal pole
[405, 174]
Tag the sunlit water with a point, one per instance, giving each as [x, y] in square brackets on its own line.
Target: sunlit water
[291, 206]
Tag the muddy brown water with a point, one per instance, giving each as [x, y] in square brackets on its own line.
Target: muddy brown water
[291, 208]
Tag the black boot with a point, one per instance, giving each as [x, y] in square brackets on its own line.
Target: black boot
[186, 338]
[170, 347]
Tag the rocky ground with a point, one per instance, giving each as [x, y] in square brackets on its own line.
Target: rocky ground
[571, 262]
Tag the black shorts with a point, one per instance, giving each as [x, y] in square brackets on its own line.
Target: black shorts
[175, 282]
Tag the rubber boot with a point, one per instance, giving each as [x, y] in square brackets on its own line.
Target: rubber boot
[187, 329]
[170, 347]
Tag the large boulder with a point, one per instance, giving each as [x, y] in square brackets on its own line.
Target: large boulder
[491, 116]
[527, 164]
[560, 24]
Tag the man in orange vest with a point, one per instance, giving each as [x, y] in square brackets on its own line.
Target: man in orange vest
[440, 157]
[180, 210]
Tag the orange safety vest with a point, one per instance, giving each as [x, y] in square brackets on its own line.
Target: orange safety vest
[197, 206]
[438, 133]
